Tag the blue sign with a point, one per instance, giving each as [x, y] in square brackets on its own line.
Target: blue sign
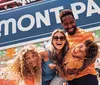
[38, 20]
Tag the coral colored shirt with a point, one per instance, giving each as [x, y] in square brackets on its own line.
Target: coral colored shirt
[78, 37]
[7, 82]
[26, 82]
[29, 82]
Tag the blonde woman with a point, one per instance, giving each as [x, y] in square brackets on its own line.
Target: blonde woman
[25, 68]
[53, 58]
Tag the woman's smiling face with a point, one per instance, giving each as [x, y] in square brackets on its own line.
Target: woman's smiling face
[59, 40]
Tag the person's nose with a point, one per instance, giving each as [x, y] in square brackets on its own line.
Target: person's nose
[58, 39]
[32, 59]
[36, 58]
[69, 26]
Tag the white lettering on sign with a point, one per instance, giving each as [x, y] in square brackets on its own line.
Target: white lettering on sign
[56, 11]
[45, 20]
[95, 9]
[92, 8]
[32, 22]
[37, 19]
[6, 26]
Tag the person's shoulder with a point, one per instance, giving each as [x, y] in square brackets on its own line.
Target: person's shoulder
[43, 52]
[81, 30]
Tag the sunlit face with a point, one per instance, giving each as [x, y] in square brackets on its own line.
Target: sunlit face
[59, 40]
[68, 23]
[31, 59]
[79, 50]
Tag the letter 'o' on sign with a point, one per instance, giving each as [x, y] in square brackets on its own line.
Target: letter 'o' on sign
[32, 22]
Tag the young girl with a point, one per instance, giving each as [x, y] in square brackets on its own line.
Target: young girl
[25, 69]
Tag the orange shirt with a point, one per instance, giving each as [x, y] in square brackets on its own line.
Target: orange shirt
[29, 82]
[26, 82]
[7, 82]
[72, 65]
[78, 37]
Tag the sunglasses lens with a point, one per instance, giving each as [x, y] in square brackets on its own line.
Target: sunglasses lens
[55, 37]
[61, 38]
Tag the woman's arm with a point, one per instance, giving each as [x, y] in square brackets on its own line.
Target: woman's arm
[44, 55]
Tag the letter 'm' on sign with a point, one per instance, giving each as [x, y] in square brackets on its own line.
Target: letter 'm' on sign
[75, 11]
[32, 22]
[40, 17]
[90, 10]
[6, 25]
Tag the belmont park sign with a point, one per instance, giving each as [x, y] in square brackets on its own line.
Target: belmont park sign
[37, 20]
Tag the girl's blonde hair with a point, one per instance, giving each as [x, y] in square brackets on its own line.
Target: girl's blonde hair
[19, 66]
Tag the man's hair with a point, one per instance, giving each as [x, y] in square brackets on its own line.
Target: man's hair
[92, 49]
[64, 13]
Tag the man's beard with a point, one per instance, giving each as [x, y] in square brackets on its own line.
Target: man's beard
[73, 32]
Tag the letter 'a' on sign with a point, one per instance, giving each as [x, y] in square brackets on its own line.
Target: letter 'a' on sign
[77, 12]
[92, 8]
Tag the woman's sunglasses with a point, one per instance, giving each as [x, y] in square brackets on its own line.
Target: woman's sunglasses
[62, 38]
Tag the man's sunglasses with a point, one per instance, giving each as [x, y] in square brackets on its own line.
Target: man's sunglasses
[62, 38]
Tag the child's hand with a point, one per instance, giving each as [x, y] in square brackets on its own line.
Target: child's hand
[52, 66]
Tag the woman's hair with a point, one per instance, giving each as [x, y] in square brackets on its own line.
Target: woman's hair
[92, 49]
[20, 67]
[63, 50]
[25, 71]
